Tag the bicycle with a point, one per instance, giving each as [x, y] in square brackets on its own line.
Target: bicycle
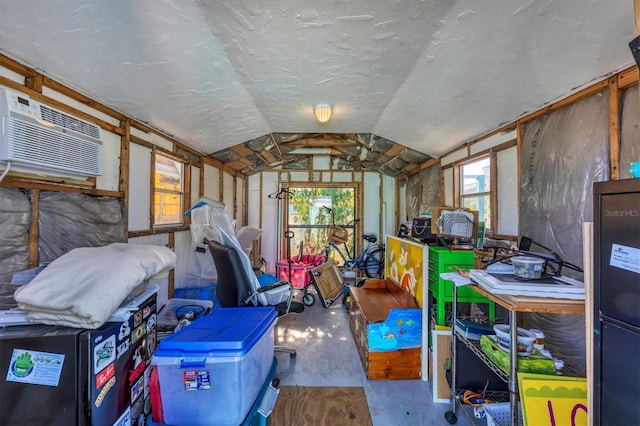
[370, 261]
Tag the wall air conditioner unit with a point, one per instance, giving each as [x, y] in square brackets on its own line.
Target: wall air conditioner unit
[46, 139]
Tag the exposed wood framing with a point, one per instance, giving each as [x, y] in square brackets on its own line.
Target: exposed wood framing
[221, 184]
[33, 86]
[34, 82]
[28, 183]
[152, 192]
[123, 184]
[172, 272]
[636, 16]
[493, 188]
[627, 78]
[34, 230]
[186, 187]
[614, 129]
[17, 67]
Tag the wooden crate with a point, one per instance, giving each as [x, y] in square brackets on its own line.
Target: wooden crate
[398, 364]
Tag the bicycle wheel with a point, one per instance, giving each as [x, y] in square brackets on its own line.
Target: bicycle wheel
[374, 263]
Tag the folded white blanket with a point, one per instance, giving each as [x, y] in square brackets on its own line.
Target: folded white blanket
[83, 287]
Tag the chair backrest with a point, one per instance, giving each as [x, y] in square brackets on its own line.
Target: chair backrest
[233, 285]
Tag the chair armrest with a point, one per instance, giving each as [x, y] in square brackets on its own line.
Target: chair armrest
[272, 286]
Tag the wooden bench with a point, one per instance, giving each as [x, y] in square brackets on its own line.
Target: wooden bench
[386, 324]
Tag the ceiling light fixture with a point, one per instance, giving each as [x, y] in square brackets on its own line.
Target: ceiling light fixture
[323, 112]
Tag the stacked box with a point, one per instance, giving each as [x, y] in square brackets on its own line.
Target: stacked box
[212, 371]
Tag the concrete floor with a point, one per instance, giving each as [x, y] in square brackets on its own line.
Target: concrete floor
[327, 356]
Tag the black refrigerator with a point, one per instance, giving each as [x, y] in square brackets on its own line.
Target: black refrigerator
[616, 360]
[52, 375]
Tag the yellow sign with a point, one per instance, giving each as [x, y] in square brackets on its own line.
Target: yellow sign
[553, 400]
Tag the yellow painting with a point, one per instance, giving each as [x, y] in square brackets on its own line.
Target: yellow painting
[553, 400]
[406, 264]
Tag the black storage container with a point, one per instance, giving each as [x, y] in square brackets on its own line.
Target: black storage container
[421, 230]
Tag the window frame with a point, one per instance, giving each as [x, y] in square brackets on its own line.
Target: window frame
[492, 153]
[492, 190]
[183, 192]
[354, 229]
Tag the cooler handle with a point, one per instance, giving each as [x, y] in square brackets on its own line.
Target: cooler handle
[192, 363]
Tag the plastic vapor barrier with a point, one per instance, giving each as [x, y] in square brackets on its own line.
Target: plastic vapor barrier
[563, 153]
[71, 220]
[15, 219]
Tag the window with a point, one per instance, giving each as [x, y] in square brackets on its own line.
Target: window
[475, 188]
[168, 190]
[310, 222]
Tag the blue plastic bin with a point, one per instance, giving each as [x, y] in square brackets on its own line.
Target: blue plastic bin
[211, 372]
[207, 292]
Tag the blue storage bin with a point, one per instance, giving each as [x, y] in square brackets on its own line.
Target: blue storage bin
[212, 371]
[207, 292]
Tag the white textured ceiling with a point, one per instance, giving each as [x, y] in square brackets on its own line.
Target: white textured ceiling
[428, 74]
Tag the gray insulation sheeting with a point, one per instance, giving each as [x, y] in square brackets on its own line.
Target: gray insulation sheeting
[71, 220]
[563, 154]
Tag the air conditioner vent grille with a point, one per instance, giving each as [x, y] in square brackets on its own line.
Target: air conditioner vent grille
[68, 122]
[37, 145]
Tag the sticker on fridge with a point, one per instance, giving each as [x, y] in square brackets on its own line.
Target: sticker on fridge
[104, 353]
[625, 257]
[35, 367]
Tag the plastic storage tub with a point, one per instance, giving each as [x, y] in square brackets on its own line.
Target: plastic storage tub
[201, 292]
[170, 313]
[499, 414]
[210, 373]
[527, 266]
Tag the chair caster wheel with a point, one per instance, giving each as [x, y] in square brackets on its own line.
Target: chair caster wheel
[308, 299]
[450, 417]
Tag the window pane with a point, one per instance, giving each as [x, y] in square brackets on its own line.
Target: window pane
[482, 205]
[168, 191]
[476, 177]
[310, 222]
[168, 208]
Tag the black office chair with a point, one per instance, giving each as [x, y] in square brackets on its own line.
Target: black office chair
[235, 288]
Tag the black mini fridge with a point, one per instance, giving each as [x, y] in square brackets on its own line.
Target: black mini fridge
[52, 375]
[616, 323]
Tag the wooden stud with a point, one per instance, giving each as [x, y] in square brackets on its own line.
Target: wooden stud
[186, 192]
[34, 82]
[493, 189]
[201, 189]
[152, 192]
[18, 181]
[34, 230]
[123, 184]
[242, 150]
[172, 272]
[636, 16]
[614, 129]
[16, 67]
[628, 77]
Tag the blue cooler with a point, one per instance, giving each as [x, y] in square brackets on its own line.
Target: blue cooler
[210, 373]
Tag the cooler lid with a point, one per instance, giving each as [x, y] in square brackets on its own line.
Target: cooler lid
[223, 332]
